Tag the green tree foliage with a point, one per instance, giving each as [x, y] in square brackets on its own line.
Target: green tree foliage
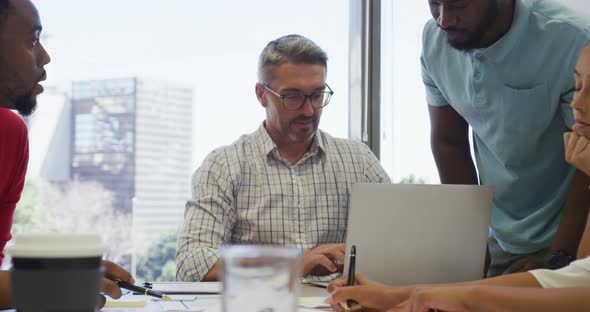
[87, 207]
[168, 271]
[74, 207]
[412, 179]
[159, 261]
[26, 215]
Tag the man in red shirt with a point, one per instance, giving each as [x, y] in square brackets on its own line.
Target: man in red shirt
[22, 58]
[14, 156]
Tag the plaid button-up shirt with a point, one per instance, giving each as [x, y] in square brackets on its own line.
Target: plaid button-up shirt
[246, 193]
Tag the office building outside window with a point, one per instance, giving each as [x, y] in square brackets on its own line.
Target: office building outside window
[134, 137]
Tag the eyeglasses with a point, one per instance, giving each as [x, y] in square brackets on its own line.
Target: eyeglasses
[295, 100]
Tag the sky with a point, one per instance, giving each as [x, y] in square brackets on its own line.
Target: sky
[213, 47]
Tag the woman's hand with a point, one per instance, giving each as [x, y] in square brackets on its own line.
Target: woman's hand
[577, 151]
[448, 299]
[368, 295]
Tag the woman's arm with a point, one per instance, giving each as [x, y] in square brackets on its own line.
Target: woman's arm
[497, 299]
[538, 300]
[584, 248]
[380, 297]
[523, 279]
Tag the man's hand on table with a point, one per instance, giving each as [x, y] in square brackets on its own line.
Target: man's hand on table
[323, 260]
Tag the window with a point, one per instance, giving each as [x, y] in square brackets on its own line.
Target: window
[138, 93]
[405, 125]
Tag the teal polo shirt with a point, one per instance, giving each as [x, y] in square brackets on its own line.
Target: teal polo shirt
[516, 97]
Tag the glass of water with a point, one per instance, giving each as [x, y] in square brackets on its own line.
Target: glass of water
[260, 278]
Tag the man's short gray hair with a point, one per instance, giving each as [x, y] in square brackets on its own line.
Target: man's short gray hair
[289, 49]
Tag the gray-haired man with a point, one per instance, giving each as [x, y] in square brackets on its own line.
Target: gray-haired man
[288, 183]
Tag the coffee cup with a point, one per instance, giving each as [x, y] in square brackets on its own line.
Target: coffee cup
[56, 272]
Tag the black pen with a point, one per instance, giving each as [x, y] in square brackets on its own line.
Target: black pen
[351, 265]
[138, 289]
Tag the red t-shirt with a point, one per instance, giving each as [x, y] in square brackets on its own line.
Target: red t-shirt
[14, 157]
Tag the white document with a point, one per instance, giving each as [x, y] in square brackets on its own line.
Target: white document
[197, 288]
[312, 303]
[200, 304]
[212, 304]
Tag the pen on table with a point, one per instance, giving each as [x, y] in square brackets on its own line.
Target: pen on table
[351, 265]
[139, 289]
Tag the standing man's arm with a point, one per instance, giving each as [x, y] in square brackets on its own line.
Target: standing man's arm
[208, 220]
[449, 135]
[449, 140]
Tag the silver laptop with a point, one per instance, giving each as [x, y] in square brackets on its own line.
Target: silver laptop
[412, 234]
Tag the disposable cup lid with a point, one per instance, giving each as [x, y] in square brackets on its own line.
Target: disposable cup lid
[52, 246]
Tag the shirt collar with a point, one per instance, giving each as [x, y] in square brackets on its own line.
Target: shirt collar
[267, 145]
[269, 148]
[501, 48]
[318, 146]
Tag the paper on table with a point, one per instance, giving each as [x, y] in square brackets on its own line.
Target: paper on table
[181, 297]
[175, 306]
[198, 305]
[188, 287]
[195, 306]
[125, 303]
[313, 303]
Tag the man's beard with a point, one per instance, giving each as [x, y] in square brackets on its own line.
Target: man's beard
[26, 104]
[474, 40]
[294, 136]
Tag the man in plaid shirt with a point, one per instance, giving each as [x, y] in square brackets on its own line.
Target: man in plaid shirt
[288, 183]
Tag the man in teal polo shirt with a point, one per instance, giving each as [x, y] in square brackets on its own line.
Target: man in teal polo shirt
[504, 68]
